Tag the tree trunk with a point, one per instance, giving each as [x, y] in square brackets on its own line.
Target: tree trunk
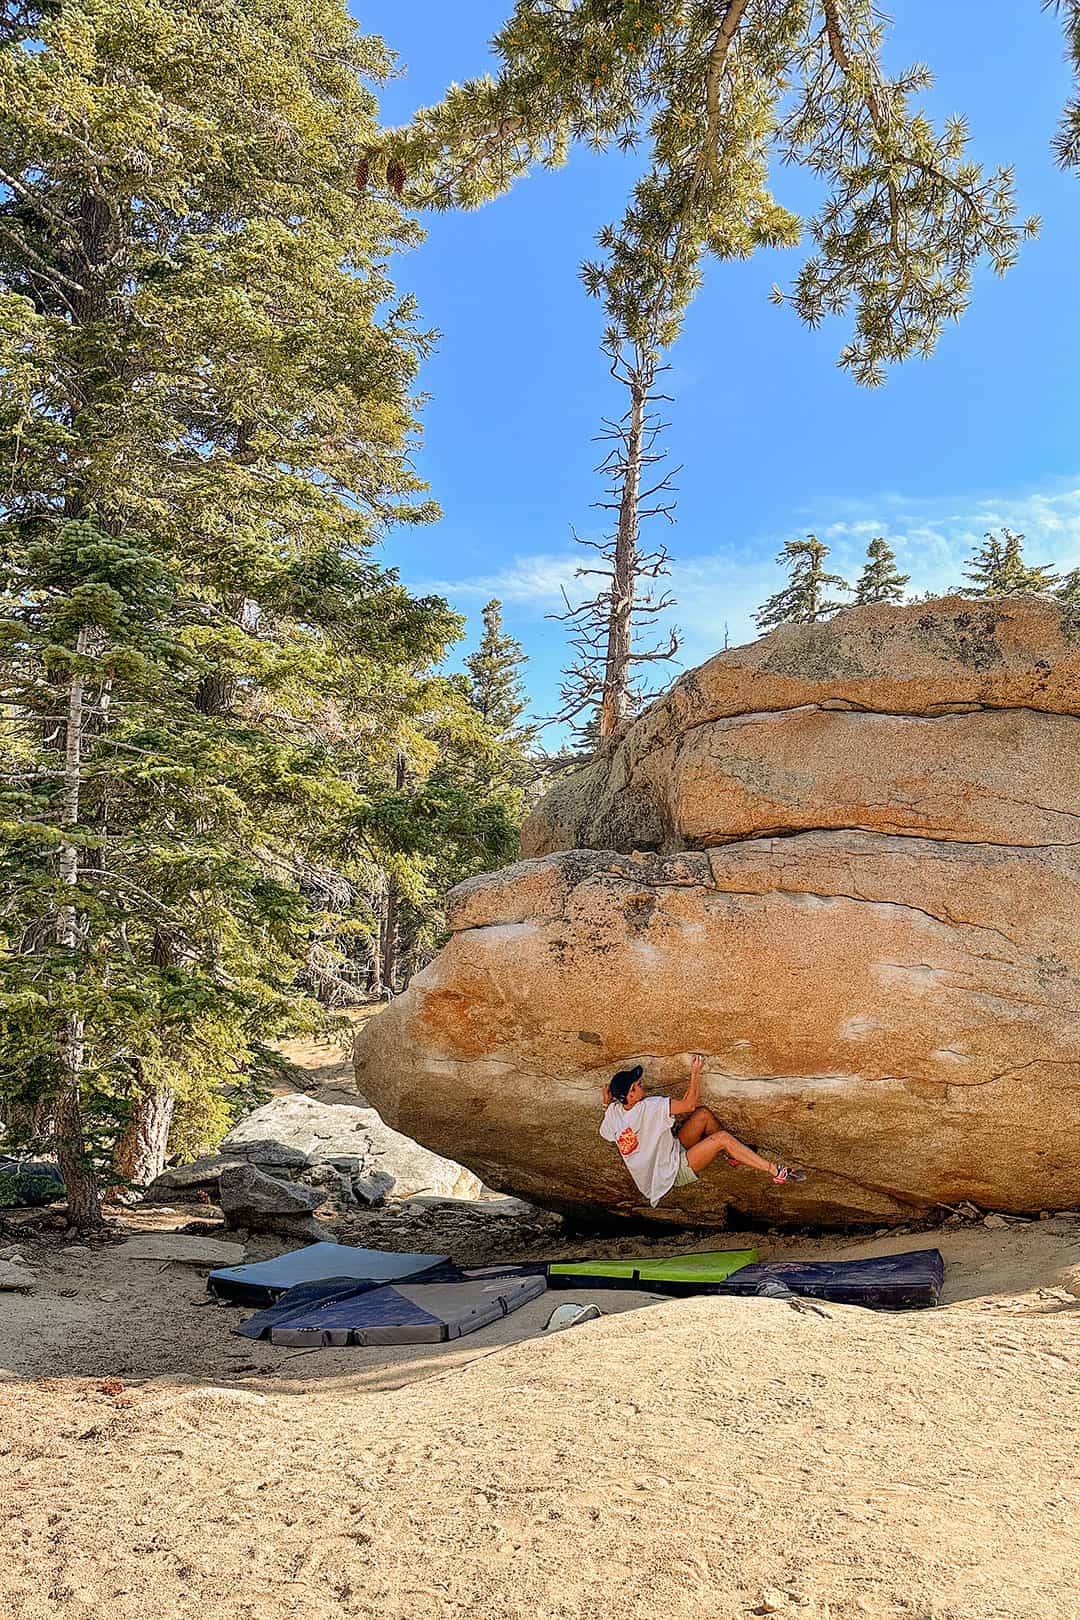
[390, 925]
[84, 1204]
[390, 936]
[215, 694]
[143, 1147]
[615, 702]
[80, 1182]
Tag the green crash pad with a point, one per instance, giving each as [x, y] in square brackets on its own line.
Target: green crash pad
[683, 1273]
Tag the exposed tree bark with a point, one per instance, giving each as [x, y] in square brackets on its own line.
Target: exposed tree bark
[215, 694]
[615, 704]
[390, 936]
[91, 244]
[143, 1146]
[390, 922]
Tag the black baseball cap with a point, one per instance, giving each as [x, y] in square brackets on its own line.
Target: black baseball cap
[619, 1084]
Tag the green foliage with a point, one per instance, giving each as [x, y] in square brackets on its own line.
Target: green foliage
[1067, 141]
[205, 425]
[998, 568]
[451, 804]
[880, 580]
[497, 693]
[719, 96]
[1069, 589]
[804, 598]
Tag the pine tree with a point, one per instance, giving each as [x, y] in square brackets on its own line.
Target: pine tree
[449, 806]
[205, 423]
[1069, 589]
[803, 600]
[880, 580]
[497, 693]
[604, 641]
[717, 95]
[998, 568]
[1067, 141]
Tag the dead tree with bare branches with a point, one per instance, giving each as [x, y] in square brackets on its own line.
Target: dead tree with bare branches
[605, 650]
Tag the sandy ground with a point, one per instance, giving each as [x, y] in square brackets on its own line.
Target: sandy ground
[679, 1457]
[707, 1458]
[324, 1068]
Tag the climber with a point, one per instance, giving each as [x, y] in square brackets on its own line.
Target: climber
[667, 1141]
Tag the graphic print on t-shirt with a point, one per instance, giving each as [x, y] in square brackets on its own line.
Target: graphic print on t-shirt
[628, 1142]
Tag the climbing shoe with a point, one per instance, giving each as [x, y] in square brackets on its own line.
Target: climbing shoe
[785, 1174]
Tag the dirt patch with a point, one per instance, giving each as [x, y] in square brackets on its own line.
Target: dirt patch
[324, 1068]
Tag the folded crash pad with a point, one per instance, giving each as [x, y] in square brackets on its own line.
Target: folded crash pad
[888, 1282]
[340, 1311]
[264, 1280]
[672, 1274]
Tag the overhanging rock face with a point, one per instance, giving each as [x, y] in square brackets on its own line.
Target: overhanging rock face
[887, 993]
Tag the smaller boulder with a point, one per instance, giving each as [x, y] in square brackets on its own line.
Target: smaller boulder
[263, 1150]
[260, 1203]
[297, 1132]
[373, 1189]
[185, 1182]
[14, 1276]
[29, 1183]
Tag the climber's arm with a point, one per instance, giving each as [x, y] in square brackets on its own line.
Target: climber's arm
[692, 1096]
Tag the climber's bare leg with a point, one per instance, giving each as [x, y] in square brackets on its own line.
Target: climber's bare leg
[707, 1148]
[702, 1122]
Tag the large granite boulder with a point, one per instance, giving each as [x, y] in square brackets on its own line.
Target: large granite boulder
[865, 912]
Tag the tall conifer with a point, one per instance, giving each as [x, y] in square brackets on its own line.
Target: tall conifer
[718, 95]
[205, 423]
[1067, 141]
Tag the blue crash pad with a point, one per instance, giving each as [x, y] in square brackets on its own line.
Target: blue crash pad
[262, 1281]
[340, 1311]
[887, 1282]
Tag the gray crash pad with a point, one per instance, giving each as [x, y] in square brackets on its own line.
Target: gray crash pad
[261, 1282]
[336, 1313]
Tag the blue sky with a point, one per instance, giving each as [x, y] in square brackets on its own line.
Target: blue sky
[773, 438]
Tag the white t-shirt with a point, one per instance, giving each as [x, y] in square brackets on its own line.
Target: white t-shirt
[643, 1136]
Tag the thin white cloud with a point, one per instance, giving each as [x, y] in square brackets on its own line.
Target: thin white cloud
[719, 592]
[933, 540]
[536, 580]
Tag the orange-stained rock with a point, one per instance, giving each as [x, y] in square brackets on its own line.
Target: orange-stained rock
[953, 719]
[888, 994]
[900, 1015]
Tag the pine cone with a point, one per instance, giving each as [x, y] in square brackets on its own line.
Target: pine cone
[363, 169]
[395, 179]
